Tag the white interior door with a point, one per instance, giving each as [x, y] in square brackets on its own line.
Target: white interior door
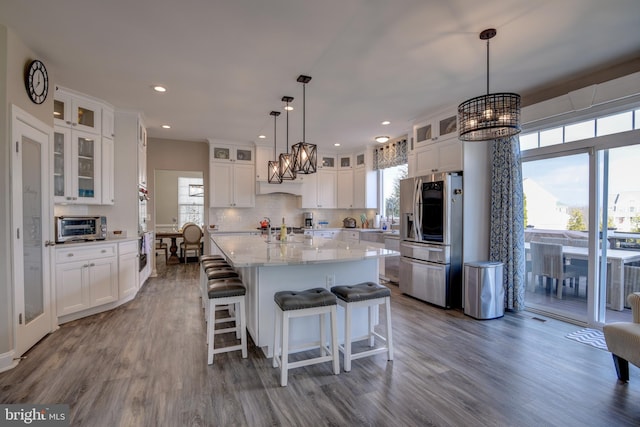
[31, 218]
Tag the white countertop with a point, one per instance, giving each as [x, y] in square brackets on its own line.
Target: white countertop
[254, 251]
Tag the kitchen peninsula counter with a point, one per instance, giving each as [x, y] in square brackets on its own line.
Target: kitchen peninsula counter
[254, 251]
[302, 262]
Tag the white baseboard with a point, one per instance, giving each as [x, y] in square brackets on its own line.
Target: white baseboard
[7, 361]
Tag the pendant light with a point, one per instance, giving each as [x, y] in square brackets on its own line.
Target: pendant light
[304, 154]
[287, 170]
[489, 116]
[273, 174]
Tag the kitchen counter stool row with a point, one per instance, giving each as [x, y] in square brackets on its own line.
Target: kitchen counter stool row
[222, 289]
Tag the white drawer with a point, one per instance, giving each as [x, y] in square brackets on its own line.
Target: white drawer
[126, 248]
[351, 235]
[83, 252]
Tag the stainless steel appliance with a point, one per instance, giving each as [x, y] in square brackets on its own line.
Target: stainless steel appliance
[80, 228]
[308, 219]
[431, 238]
[349, 222]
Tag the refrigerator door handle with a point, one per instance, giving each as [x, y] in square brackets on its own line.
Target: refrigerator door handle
[417, 209]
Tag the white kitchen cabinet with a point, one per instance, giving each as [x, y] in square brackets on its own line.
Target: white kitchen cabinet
[444, 156]
[345, 161]
[86, 277]
[327, 234]
[365, 188]
[350, 236]
[437, 128]
[78, 112]
[264, 154]
[77, 166]
[227, 153]
[345, 189]
[327, 162]
[319, 189]
[128, 265]
[108, 122]
[231, 185]
[108, 172]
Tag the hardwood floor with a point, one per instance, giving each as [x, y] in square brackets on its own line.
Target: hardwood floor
[144, 364]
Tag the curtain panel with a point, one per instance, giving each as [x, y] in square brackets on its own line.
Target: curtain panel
[507, 219]
[393, 153]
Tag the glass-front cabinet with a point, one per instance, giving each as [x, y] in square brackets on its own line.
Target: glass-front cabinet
[76, 167]
[77, 112]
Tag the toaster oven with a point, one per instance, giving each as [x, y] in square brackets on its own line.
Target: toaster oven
[80, 228]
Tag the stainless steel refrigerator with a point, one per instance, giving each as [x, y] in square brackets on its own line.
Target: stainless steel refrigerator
[431, 238]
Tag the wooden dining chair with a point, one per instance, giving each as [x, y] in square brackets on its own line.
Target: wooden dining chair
[191, 237]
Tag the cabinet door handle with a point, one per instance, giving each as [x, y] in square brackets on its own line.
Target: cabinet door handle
[85, 266]
[69, 254]
[92, 265]
[103, 251]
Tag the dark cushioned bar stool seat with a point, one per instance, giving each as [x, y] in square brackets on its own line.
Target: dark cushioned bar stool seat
[369, 295]
[311, 302]
[211, 257]
[229, 291]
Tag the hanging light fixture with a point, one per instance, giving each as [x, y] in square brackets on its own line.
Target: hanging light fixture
[489, 116]
[273, 174]
[287, 163]
[304, 154]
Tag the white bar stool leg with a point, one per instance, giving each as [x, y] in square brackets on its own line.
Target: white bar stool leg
[387, 303]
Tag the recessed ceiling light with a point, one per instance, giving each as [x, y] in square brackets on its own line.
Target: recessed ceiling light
[386, 122]
[382, 139]
[166, 127]
[160, 88]
[261, 136]
[337, 144]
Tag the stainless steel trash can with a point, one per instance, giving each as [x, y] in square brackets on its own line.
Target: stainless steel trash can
[483, 290]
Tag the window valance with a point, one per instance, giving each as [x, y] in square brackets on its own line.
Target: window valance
[393, 153]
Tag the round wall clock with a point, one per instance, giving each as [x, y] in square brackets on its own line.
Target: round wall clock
[36, 80]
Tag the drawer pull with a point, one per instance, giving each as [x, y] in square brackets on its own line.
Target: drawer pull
[69, 254]
[104, 251]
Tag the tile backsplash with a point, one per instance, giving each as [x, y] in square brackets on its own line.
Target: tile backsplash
[279, 205]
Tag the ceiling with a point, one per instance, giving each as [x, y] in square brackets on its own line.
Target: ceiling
[227, 64]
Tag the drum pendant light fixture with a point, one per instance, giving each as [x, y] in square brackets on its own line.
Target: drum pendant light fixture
[489, 116]
[304, 154]
[287, 163]
[273, 174]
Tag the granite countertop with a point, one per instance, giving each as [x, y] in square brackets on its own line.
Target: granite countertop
[255, 251]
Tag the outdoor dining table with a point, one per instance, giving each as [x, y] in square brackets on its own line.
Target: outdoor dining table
[616, 260]
[173, 249]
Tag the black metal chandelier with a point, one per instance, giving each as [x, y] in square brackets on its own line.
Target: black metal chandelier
[304, 154]
[489, 116]
[287, 162]
[273, 174]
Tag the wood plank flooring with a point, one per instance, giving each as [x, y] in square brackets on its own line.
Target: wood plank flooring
[144, 364]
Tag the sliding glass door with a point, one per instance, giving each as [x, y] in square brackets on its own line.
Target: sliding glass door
[556, 193]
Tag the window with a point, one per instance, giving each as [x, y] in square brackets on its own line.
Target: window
[190, 200]
[390, 187]
[600, 126]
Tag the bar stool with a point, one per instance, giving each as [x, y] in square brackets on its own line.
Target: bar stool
[229, 291]
[370, 295]
[211, 275]
[292, 304]
[211, 257]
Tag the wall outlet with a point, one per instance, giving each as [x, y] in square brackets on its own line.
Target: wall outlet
[331, 280]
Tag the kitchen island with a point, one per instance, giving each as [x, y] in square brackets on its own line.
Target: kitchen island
[302, 262]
